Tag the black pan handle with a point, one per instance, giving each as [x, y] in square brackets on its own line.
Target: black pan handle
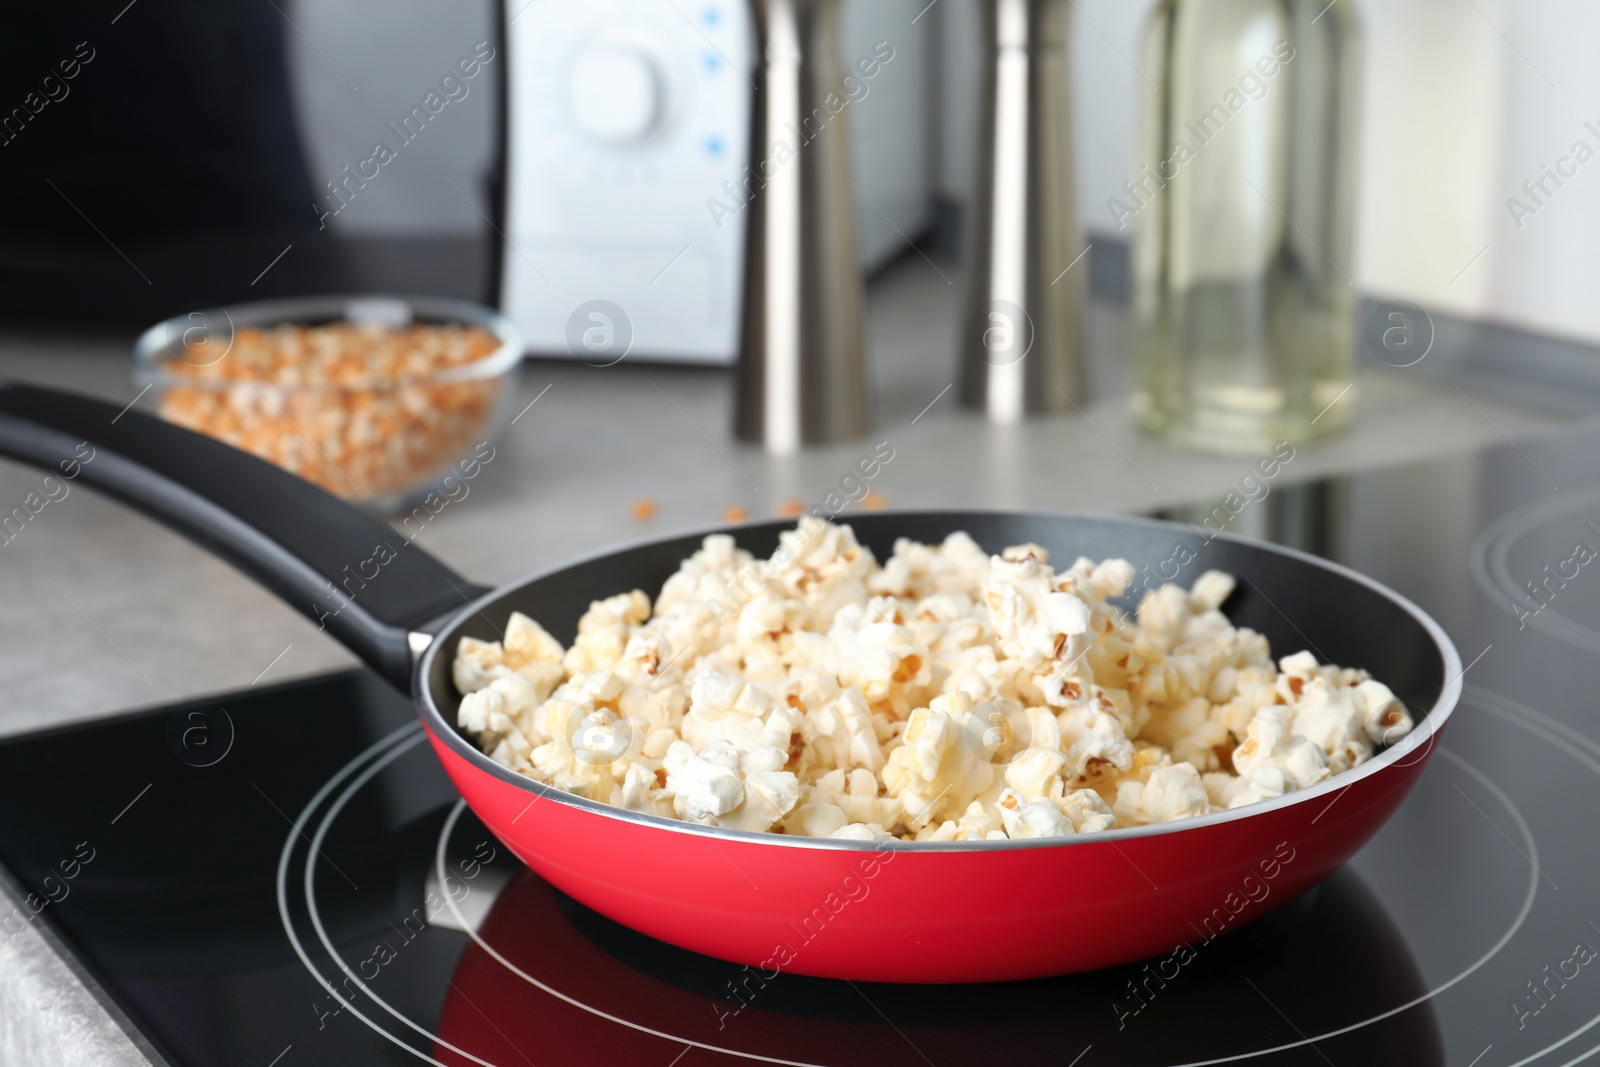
[356, 576]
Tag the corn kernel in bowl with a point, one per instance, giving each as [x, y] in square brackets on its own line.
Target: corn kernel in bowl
[364, 410]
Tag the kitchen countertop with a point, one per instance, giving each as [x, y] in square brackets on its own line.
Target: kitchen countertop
[84, 582]
[106, 611]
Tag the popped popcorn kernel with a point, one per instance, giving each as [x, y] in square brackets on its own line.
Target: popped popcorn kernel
[942, 695]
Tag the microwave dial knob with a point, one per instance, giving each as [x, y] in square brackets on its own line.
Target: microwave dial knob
[616, 93]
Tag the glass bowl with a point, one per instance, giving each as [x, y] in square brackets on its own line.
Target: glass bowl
[374, 398]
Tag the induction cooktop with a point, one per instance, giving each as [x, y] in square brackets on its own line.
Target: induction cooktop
[286, 877]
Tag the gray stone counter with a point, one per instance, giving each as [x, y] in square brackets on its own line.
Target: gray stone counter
[102, 610]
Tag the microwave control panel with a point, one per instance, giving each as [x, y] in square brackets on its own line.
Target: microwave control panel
[626, 120]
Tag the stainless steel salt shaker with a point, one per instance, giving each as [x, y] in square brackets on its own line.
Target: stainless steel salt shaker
[801, 373]
[1022, 336]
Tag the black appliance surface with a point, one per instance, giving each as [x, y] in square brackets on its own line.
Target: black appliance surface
[286, 877]
[160, 158]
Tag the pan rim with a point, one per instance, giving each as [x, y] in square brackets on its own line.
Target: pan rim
[1422, 736]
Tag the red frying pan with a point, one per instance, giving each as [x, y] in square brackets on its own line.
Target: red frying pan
[885, 912]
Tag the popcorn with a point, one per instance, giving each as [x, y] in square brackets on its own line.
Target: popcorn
[1032, 818]
[936, 769]
[477, 663]
[483, 714]
[1211, 589]
[860, 832]
[1081, 812]
[725, 709]
[490, 713]
[1334, 718]
[825, 569]
[604, 630]
[875, 653]
[856, 796]
[1277, 760]
[919, 571]
[1170, 792]
[526, 642]
[946, 695]
[1191, 733]
[644, 789]
[704, 784]
[842, 735]
[1091, 738]
[770, 792]
[1033, 622]
[644, 658]
[1087, 811]
[1385, 718]
[816, 818]
[718, 570]
[1036, 774]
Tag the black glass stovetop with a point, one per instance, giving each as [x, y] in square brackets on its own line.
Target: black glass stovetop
[225, 871]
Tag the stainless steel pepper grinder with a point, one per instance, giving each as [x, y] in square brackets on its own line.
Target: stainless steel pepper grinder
[801, 376]
[1022, 335]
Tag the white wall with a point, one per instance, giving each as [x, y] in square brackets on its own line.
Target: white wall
[1547, 272]
[1462, 103]
[1105, 49]
[1459, 109]
[1428, 171]
[889, 132]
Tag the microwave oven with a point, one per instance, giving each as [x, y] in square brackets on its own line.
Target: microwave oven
[627, 129]
[203, 155]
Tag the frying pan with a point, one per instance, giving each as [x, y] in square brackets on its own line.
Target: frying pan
[873, 911]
